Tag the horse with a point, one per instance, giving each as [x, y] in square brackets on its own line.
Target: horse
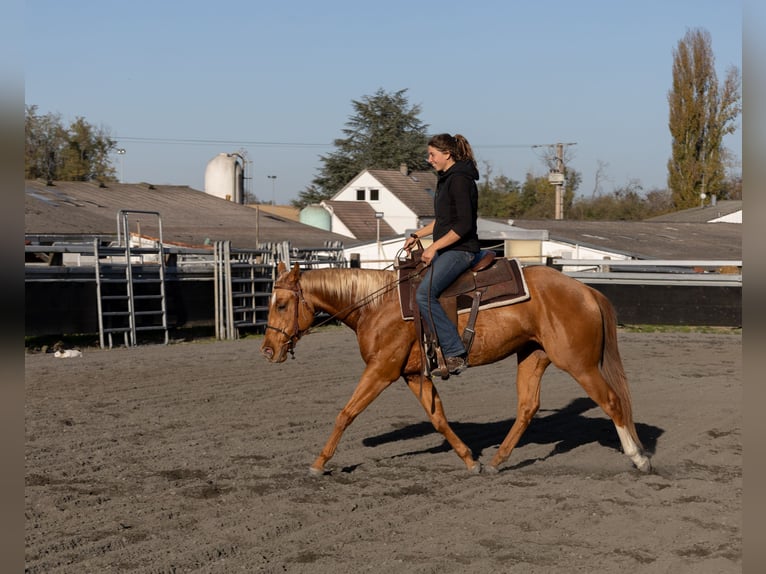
[564, 322]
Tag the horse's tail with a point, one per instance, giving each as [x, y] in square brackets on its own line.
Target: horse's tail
[611, 363]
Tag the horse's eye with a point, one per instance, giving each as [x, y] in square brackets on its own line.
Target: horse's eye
[281, 307]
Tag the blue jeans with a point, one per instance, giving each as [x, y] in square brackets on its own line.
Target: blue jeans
[444, 269]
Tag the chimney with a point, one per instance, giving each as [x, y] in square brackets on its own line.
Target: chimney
[403, 169]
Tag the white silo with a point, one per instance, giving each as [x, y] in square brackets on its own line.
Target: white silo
[225, 177]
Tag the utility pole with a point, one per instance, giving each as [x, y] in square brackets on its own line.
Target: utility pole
[273, 179]
[556, 176]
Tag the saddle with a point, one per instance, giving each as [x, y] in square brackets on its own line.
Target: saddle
[489, 282]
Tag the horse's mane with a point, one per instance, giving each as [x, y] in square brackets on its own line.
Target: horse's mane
[372, 286]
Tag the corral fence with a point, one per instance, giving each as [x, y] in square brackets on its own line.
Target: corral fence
[132, 288]
[127, 287]
[665, 292]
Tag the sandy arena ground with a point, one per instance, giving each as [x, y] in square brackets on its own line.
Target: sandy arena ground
[193, 457]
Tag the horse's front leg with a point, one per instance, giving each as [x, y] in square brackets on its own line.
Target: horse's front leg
[432, 403]
[367, 390]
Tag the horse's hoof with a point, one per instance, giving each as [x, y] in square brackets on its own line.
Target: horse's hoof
[644, 465]
[489, 469]
[476, 468]
[316, 471]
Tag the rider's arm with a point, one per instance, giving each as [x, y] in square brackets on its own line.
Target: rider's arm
[419, 234]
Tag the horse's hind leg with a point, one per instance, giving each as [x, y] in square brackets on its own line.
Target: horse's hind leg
[429, 398]
[597, 388]
[531, 366]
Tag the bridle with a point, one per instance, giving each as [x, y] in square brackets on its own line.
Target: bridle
[292, 339]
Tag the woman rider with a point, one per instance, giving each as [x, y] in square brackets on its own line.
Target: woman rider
[455, 240]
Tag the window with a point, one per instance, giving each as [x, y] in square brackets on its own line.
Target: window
[360, 194]
[374, 195]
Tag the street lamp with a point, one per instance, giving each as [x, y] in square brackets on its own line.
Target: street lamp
[121, 153]
[378, 216]
[273, 179]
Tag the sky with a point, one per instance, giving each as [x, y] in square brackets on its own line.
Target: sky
[176, 83]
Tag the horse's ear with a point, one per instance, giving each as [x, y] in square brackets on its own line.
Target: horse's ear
[281, 268]
[295, 273]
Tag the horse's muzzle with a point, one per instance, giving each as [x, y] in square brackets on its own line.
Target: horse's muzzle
[268, 352]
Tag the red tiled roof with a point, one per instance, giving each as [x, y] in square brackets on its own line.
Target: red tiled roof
[415, 189]
[359, 217]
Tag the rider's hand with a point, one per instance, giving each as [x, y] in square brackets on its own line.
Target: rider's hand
[428, 254]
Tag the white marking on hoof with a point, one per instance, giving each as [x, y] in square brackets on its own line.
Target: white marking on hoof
[476, 468]
[631, 450]
[643, 463]
[316, 471]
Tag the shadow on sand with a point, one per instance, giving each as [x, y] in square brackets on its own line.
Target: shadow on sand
[566, 429]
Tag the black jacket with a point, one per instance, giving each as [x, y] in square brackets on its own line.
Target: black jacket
[456, 205]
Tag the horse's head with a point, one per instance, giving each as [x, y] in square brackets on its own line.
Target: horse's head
[290, 315]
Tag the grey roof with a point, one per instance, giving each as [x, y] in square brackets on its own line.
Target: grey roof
[415, 188]
[495, 229]
[648, 239]
[189, 217]
[701, 214]
[359, 218]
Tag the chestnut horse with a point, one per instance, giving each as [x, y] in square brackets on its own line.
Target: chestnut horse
[564, 322]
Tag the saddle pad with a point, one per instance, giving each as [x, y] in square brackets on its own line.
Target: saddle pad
[501, 284]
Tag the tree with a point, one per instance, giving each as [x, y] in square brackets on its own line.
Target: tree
[77, 153]
[383, 133]
[44, 140]
[538, 196]
[86, 155]
[701, 114]
[500, 197]
[626, 203]
[308, 196]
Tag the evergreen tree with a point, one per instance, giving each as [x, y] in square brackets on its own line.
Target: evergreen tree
[383, 133]
[701, 114]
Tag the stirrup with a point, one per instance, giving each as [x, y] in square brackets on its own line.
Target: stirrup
[441, 364]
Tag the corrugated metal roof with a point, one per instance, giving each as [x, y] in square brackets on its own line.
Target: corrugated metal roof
[701, 214]
[189, 216]
[647, 239]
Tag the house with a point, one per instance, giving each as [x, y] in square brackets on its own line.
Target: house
[401, 199]
[378, 208]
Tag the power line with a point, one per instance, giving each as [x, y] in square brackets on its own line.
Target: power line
[247, 143]
[190, 141]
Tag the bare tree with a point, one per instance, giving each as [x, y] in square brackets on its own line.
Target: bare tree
[599, 178]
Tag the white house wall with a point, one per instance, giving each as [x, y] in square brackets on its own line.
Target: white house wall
[373, 257]
[395, 213]
[735, 217]
[337, 226]
[560, 250]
